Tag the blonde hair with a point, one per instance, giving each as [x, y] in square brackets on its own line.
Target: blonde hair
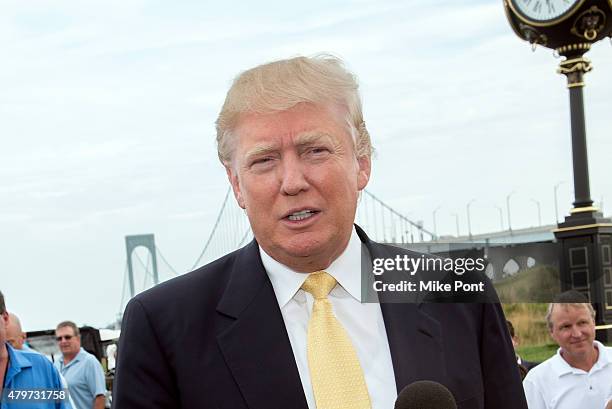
[551, 306]
[281, 85]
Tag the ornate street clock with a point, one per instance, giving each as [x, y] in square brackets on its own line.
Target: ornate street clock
[544, 12]
[567, 26]
[570, 27]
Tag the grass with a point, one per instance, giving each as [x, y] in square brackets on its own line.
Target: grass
[539, 283]
[530, 327]
[529, 323]
[536, 284]
[537, 353]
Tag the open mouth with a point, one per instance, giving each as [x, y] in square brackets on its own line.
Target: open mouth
[301, 215]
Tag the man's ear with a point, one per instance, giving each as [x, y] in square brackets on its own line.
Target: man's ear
[232, 176]
[365, 167]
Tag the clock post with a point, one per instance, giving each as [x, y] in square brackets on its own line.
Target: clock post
[570, 27]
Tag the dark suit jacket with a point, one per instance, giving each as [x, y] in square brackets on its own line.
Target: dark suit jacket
[529, 365]
[215, 338]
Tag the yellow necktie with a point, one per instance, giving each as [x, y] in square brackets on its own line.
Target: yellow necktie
[335, 372]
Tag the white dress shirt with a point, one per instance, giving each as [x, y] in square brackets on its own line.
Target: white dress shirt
[363, 322]
[554, 384]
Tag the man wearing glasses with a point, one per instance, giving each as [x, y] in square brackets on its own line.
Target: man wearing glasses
[81, 369]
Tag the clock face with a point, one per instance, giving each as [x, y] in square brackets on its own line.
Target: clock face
[543, 10]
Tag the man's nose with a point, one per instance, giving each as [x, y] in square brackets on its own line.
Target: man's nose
[576, 332]
[292, 177]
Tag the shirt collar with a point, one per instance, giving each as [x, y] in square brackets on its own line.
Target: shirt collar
[80, 355]
[604, 357]
[563, 368]
[17, 361]
[77, 358]
[346, 269]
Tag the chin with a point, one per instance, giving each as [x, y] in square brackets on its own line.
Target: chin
[302, 250]
[579, 348]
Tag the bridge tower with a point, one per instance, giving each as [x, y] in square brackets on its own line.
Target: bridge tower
[147, 241]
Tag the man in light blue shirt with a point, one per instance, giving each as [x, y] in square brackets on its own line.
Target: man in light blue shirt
[81, 369]
[29, 379]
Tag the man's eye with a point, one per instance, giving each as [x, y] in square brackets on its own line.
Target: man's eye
[318, 150]
[261, 161]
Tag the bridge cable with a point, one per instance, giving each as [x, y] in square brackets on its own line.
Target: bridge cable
[165, 261]
[144, 282]
[125, 271]
[244, 237]
[213, 231]
[401, 216]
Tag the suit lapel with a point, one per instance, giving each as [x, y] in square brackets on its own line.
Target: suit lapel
[257, 350]
[415, 343]
[415, 338]
[256, 346]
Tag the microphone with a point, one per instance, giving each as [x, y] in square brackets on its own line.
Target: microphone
[425, 395]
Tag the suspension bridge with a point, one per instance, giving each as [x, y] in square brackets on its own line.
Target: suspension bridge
[147, 266]
[231, 231]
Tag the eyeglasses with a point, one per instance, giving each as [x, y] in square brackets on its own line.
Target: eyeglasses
[66, 337]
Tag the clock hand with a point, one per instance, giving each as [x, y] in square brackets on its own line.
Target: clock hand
[550, 7]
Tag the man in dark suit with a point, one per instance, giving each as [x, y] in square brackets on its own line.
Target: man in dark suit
[528, 365]
[280, 322]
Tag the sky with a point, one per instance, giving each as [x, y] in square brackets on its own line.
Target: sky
[107, 113]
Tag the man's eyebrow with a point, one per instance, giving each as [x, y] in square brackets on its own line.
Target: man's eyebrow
[301, 140]
[308, 138]
[259, 150]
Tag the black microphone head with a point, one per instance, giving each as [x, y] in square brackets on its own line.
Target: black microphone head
[425, 395]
